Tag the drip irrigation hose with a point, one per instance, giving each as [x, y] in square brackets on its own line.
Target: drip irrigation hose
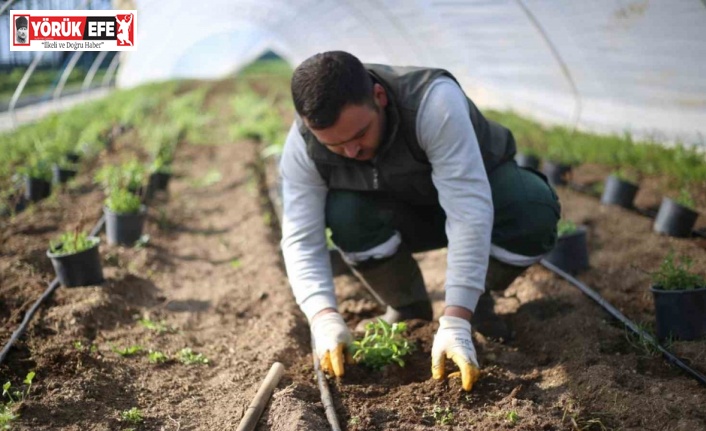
[326, 398]
[669, 356]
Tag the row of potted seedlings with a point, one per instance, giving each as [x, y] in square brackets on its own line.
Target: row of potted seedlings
[75, 255]
[675, 217]
[679, 294]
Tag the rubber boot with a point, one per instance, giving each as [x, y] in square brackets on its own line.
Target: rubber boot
[396, 282]
[499, 277]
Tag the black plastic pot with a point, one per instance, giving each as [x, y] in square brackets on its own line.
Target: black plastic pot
[61, 176]
[73, 157]
[556, 173]
[124, 229]
[36, 189]
[527, 161]
[619, 192]
[571, 252]
[674, 219]
[680, 314]
[158, 182]
[78, 269]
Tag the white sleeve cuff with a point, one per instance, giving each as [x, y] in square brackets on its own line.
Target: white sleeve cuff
[317, 302]
[463, 297]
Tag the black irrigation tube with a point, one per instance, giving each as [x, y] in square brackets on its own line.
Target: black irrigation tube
[669, 356]
[645, 212]
[46, 295]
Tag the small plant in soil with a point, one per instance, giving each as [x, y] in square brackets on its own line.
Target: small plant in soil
[79, 346]
[157, 357]
[72, 242]
[132, 416]
[188, 357]
[129, 351]
[160, 327]
[121, 201]
[676, 275]
[382, 344]
[512, 418]
[442, 416]
[6, 416]
[566, 227]
[684, 199]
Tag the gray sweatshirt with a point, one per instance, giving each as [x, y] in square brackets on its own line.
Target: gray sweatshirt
[445, 133]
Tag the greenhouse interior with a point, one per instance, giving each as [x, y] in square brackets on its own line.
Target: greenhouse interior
[338, 215]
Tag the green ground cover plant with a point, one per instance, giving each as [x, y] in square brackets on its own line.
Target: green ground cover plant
[157, 357]
[72, 242]
[674, 273]
[11, 399]
[382, 344]
[683, 162]
[129, 351]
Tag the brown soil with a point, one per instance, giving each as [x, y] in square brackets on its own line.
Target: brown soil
[212, 271]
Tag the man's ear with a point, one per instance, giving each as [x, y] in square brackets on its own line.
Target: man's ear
[380, 95]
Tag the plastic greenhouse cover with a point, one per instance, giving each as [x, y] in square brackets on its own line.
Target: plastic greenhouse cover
[603, 65]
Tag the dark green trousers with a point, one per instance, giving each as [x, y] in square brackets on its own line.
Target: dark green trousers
[526, 213]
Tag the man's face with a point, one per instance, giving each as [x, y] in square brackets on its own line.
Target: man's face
[22, 32]
[357, 133]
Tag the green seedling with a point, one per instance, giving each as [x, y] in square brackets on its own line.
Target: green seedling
[235, 263]
[566, 227]
[188, 357]
[685, 199]
[382, 344]
[160, 327]
[157, 357]
[122, 201]
[72, 242]
[442, 416]
[512, 418]
[132, 416]
[78, 345]
[16, 396]
[6, 416]
[128, 351]
[676, 275]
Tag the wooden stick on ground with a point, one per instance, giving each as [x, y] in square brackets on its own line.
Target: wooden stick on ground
[326, 398]
[252, 415]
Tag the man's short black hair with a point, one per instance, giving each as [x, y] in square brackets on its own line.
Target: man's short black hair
[326, 82]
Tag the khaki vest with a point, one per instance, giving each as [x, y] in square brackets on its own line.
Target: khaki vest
[401, 168]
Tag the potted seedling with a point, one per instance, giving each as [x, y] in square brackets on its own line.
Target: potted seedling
[76, 260]
[382, 344]
[160, 173]
[64, 170]
[680, 300]
[124, 217]
[676, 217]
[571, 251]
[557, 167]
[37, 178]
[620, 189]
[527, 159]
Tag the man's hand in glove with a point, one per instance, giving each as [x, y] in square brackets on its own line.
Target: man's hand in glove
[453, 340]
[331, 337]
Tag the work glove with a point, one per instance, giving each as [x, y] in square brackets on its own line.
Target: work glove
[331, 338]
[453, 341]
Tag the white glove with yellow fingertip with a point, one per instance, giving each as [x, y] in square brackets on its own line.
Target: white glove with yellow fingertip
[331, 340]
[453, 341]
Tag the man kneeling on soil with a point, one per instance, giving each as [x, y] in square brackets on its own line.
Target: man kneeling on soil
[396, 160]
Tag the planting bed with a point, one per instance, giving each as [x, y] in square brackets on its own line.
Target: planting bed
[211, 271]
